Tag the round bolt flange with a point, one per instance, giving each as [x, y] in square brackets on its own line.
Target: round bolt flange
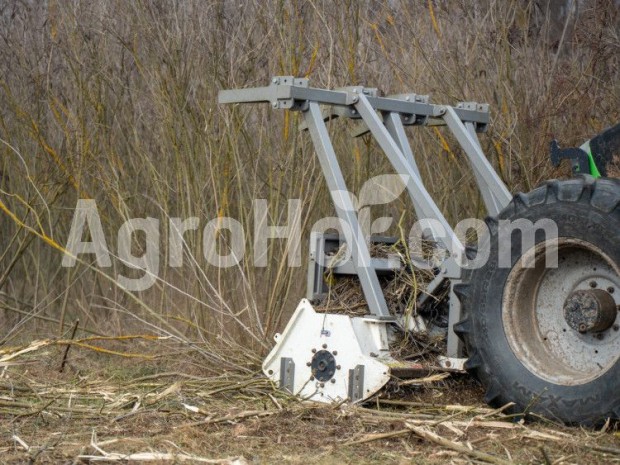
[323, 366]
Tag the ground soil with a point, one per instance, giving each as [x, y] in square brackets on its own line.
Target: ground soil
[104, 407]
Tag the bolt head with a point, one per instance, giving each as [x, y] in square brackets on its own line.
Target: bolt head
[324, 346]
[593, 284]
[333, 381]
[335, 352]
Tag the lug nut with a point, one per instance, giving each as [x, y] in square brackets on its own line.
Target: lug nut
[322, 385]
[338, 367]
[611, 290]
[314, 351]
[324, 346]
[335, 352]
[308, 364]
[593, 284]
[616, 327]
[333, 381]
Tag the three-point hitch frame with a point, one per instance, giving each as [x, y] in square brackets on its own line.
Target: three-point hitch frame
[386, 118]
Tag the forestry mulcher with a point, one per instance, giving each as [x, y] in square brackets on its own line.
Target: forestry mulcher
[543, 336]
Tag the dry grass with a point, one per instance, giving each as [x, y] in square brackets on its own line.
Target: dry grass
[165, 411]
[116, 101]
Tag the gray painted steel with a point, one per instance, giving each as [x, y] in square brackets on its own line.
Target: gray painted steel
[346, 211]
[287, 374]
[489, 181]
[356, 383]
[464, 120]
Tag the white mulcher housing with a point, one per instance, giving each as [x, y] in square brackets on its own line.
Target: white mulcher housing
[330, 358]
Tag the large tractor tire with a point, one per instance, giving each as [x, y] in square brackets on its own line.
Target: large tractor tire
[548, 339]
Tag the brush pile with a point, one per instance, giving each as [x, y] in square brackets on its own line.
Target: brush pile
[402, 290]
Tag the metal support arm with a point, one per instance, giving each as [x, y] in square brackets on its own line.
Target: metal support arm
[346, 212]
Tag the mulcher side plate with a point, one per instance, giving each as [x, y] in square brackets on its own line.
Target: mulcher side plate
[326, 357]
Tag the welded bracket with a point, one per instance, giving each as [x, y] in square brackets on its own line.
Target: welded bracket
[356, 383]
[287, 374]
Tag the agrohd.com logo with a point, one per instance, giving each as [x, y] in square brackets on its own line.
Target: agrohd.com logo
[87, 237]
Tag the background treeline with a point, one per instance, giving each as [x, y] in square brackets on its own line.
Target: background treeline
[116, 101]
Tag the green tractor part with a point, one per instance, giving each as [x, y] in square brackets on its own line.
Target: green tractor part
[594, 156]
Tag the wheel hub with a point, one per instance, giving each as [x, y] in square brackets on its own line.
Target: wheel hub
[559, 320]
[590, 311]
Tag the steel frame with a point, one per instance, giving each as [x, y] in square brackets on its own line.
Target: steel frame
[385, 118]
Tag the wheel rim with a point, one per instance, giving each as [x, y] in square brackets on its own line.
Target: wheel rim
[534, 319]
